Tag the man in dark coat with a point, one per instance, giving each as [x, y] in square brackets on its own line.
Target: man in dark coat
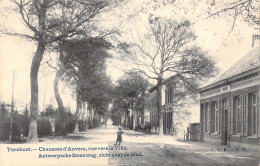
[119, 136]
[149, 128]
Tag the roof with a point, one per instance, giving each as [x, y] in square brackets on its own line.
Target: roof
[247, 63]
[163, 82]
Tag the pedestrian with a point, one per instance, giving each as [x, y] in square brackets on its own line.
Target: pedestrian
[119, 136]
[149, 128]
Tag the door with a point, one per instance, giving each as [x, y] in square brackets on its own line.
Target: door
[164, 123]
[225, 126]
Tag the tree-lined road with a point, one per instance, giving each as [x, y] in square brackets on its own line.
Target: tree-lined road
[155, 150]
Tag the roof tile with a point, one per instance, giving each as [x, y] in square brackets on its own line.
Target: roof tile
[248, 62]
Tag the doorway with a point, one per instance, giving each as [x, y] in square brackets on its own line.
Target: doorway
[224, 133]
[225, 126]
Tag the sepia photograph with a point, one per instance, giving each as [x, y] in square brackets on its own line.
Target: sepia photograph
[130, 82]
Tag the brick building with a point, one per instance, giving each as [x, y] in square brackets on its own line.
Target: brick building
[229, 106]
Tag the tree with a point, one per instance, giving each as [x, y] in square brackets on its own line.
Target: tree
[79, 61]
[129, 94]
[246, 10]
[3, 107]
[169, 48]
[59, 101]
[100, 96]
[46, 23]
[84, 68]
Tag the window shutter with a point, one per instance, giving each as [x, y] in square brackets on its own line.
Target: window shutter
[241, 112]
[201, 117]
[219, 115]
[231, 116]
[209, 116]
[245, 115]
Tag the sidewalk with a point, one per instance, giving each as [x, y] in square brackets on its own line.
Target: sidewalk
[218, 153]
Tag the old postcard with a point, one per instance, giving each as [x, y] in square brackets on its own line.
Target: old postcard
[129, 82]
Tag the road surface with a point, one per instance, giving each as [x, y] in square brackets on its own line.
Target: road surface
[152, 150]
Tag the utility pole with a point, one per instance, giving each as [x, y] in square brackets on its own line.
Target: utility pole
[12, 109]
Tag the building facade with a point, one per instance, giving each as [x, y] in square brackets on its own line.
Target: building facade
[229, 106]
[167, 107]
[154, 121]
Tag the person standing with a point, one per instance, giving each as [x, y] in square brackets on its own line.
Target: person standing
[149, 128]
[119, 136]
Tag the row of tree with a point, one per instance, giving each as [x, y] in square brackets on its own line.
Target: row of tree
[82, 67]
[71, 29]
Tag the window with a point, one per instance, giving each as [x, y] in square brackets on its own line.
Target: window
[254, 114]
[216, 116]
[166, 96]
[170, 94]
[225, 104]
[206, 117]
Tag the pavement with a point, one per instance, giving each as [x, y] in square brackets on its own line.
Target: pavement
[150, 149]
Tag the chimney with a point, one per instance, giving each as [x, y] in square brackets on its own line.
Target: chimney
[255, 37]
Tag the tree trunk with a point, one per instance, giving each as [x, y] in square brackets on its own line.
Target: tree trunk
[88, 115]
[134, 119]
[79, 104]
[52, 123]
[159, 107]
[59, 102]
[33, 136]
[84, 116]
[128, 118]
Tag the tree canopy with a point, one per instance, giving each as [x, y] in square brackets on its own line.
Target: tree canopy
[129, 92]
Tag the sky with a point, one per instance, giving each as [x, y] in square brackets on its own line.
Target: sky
[16, 53]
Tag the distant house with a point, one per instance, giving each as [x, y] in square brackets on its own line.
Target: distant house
[153, 110]
[229, 106]
[167, 106]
